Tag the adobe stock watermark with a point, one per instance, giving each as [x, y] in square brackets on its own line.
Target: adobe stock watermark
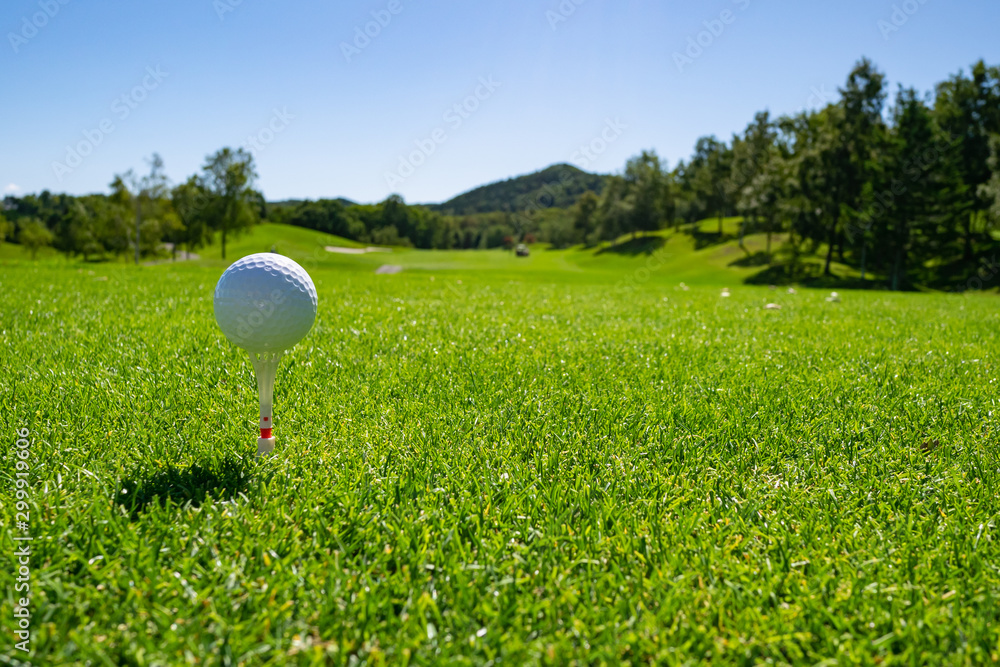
[589, 152]
[279, 122]
[121, 108]
[454, 117]
[363, 35]
[545, 197]
[22, 539]
[562, 12]
[901, 13]
[914, 171]
[223, 7]
[30, 26]
[704, 39]
[819, 97]
[644, 273]
[263, 311]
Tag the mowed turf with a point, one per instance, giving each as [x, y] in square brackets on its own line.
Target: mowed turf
[540, 467]
[674, 255]
[702, 258]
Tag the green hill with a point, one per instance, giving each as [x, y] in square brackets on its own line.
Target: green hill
[559, 185]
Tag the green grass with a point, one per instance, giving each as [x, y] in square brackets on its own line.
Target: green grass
[526, 461]
[12, 252]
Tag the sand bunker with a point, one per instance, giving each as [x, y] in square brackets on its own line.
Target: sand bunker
[355, 251]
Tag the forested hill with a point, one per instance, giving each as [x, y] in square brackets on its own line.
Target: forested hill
[559, 185]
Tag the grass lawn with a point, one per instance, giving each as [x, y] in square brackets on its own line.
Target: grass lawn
[484, 458]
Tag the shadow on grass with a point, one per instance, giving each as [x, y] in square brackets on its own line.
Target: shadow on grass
[219, 479]
[759, 258]
[955, 275]
[963, 275]
[809, 274]
[641, 245]
[704, 239]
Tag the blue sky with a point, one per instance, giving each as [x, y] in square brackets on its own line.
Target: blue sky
[93, 89]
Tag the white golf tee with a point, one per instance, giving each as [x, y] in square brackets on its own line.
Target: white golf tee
[265, 367]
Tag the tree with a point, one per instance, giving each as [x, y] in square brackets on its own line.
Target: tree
[967, 109]
[394, 213]
[753, 181]
[139, 193]
[709, 175]
[811, 184]
[84, 230]
[760, 199]
[615, 210]
[647, 191]
[556, 226]
[122, 212]
[686, 203]
[637, 201]
[229, 177]
[859, 155]
[6, 228]
[990, 191]
[329, 216]
[102, 227]
[910, 197]
[34, 235]
[190, 201]
[836, 159]
[585, 216]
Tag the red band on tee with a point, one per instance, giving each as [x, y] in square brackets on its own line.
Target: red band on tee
[265, 433]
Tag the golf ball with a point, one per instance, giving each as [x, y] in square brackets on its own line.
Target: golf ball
[265, 303]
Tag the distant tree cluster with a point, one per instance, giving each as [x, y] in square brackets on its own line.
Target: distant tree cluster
[890, 190]
[391, 222]
[895, 190]
[141, 213]
[492, 216]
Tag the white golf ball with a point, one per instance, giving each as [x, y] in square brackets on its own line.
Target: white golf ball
[265, 303]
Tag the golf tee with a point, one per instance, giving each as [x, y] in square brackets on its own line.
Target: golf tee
[265, 443]
[266, 368]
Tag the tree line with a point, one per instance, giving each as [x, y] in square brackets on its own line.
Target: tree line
[893, 187]
[899, 189]
[896, 190]
[142, 212]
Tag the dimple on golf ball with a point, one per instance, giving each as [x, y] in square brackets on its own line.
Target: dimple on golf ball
[265, 303]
